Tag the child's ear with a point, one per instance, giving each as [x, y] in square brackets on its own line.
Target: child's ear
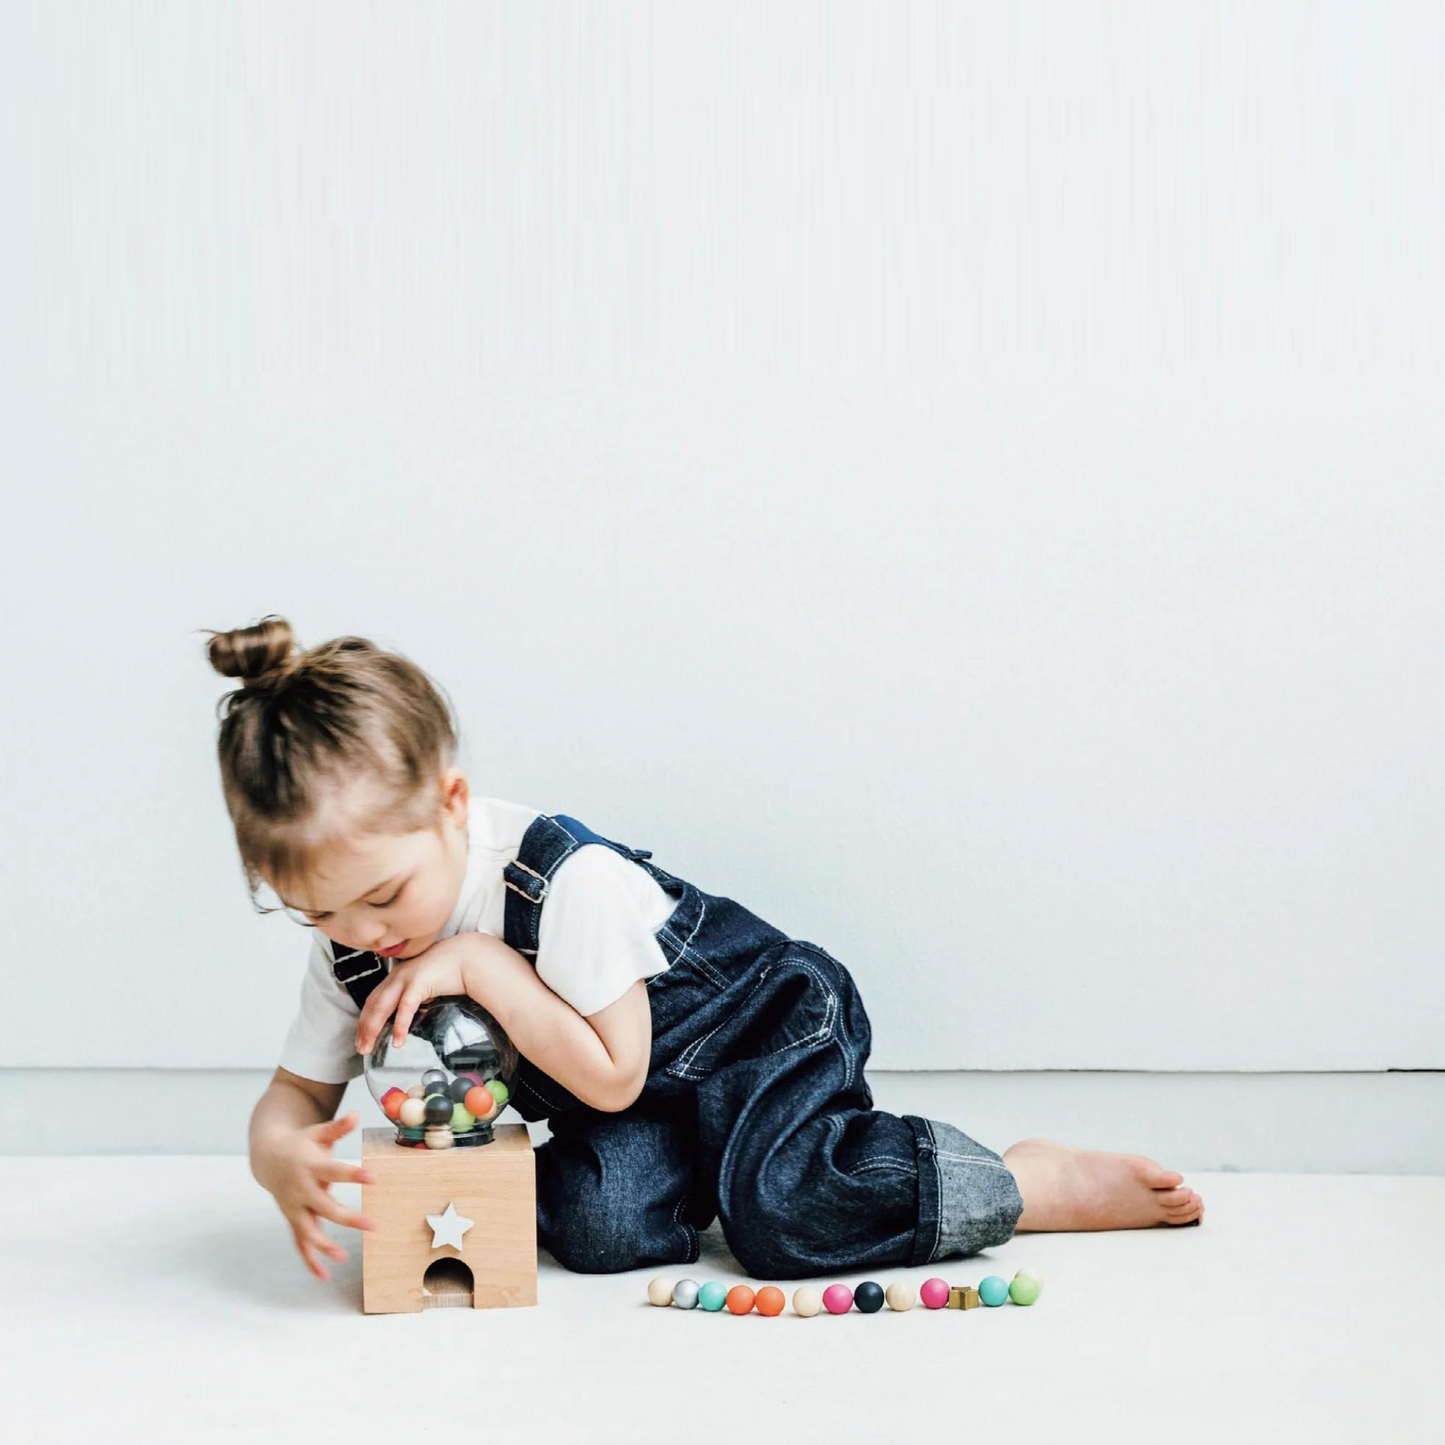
[456, 792]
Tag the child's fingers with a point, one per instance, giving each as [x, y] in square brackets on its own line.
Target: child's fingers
[343, 1171]
[374, 1012]
[322, 1203]
[308, 1244]
[414, 997]
[333, 1129]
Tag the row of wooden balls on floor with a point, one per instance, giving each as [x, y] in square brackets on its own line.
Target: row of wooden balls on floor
[838, 1299]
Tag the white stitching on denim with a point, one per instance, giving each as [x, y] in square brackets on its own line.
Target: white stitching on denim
[689, 1234]
[938, 1213]
[973, 1159]
[540, 1097]
[681, 1067]
[683, 946]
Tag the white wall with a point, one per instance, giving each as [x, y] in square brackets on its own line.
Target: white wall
[964, 480]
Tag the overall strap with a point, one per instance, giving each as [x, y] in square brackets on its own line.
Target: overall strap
[357, 971]
[546, 845]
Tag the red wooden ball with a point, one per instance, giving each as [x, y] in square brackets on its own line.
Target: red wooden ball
[391, 1103]
[481, 1102]
[740, 1299]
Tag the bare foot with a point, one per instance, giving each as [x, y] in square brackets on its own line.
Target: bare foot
[1074, 1189]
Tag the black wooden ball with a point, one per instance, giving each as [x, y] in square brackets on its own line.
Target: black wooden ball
[868, 1297]
[438, 1109]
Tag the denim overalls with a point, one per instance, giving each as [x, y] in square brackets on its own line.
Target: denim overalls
[755, 1110]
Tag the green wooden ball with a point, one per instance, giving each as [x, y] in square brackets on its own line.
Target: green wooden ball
[1024, 1289]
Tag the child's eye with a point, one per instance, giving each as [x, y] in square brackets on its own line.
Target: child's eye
[322, 917]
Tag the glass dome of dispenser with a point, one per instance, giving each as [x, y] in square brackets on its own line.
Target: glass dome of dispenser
[447, 1082]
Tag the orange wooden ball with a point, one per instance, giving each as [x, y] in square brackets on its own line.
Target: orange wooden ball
[740, 1299]
[480, 1102]
[391, 1103]
[771, 1300]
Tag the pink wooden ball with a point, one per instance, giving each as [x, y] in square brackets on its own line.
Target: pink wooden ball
[838, 1299]
[934, 1293]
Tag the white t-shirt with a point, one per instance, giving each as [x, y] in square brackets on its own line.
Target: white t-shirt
[595, 941]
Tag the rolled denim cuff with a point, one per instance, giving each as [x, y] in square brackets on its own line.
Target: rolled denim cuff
[967, 1194]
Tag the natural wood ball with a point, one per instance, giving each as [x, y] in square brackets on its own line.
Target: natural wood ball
[807, 1301]
[900, 1296]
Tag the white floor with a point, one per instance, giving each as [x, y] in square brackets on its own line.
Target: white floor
[159, 1299]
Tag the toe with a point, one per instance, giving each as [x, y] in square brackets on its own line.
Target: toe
[1160, 1177]
[1175, 1198]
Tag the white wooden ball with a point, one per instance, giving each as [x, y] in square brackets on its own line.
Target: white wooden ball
[412, 1113]
[900, 1296]
[807, 1301]
[659, 1291]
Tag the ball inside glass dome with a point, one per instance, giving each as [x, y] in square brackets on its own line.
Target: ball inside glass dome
[448, 1081]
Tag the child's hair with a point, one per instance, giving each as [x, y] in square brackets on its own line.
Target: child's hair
[307, 723]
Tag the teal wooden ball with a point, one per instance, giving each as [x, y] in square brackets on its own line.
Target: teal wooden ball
[993, 1290]
[1024, 1289]
[685, 1293]
[713, 1295]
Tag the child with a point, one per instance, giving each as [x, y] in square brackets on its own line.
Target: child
[694, 1062]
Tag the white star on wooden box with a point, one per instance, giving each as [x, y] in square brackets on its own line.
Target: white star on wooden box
[448, 1228]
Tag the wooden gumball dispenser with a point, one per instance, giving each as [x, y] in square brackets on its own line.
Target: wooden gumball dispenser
[454, 1196]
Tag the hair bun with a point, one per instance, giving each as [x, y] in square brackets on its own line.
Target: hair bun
[263, 656]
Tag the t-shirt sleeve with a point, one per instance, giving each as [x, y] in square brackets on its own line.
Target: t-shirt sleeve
[322, 1042]
[596, 937]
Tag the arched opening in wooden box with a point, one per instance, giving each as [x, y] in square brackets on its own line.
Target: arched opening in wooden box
[447, 1284]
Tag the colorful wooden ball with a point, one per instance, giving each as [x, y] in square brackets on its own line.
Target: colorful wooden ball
[868, 1297]
[837, 1299]
[458, 1088]
[412, 1113]
[437, 1077]
[391, 1103]
[1024, 1289]
[417, 1091]
[438, 1109]
[462, 1119]
[993, 1289]
[740, 1300]
[807, 1301]
[684, 1294]
[659, 1291]
[934, 1293]
[499, 1092]
[900, 1296]
[713, 1295]
[440, 1137]
[482, 1103]
[771, 1300]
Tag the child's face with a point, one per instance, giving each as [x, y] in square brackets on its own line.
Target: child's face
[375, 891]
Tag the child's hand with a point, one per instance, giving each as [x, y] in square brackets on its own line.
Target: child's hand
[437, 973]
[299, 1170]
